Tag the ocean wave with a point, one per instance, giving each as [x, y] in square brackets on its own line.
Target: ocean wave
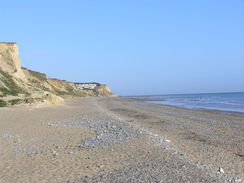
[228, 103]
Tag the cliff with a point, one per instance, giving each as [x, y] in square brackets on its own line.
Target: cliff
[21, 85]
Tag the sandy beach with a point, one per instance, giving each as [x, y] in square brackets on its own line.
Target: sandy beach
[119, 140]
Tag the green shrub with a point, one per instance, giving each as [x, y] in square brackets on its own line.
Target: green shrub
[3, 103]
[15, 101]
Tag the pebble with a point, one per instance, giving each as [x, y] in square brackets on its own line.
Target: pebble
[55, 153]
[221, 170]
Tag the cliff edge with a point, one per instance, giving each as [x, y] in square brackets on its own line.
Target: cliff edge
[20, 85]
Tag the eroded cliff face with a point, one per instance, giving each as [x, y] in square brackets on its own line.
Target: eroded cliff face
[21, 85]
[9, 59]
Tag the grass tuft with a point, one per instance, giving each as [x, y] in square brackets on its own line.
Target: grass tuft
[12, 88]
[3, 103]
[15, 101]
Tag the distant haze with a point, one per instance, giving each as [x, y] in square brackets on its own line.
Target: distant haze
[137, 47]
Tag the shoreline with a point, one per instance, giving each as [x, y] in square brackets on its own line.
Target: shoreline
[227, 112]
[114, 139]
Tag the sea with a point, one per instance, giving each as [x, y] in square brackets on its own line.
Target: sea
[233, 102]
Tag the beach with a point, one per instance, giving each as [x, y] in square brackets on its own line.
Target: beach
[113, 139]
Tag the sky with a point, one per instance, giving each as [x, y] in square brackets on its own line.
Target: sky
[137, 47]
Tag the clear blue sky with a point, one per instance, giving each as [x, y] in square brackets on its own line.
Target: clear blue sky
[135, 46]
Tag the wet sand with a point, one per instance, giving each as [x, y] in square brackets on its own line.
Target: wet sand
[119, 140]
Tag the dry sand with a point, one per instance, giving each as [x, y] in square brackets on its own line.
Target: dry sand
[119, 140]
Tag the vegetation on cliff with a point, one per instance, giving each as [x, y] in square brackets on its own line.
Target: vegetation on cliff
[10, 87]
[3, 103]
